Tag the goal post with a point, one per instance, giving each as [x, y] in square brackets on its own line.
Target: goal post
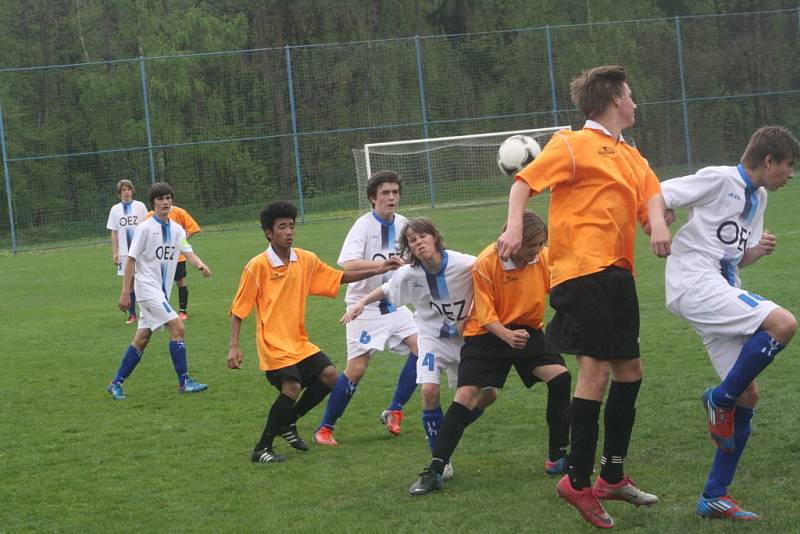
[441, 171]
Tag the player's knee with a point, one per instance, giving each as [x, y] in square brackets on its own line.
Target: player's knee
[329, 376]
[430, 396]
[468, 396]
[781, 325]
[487, 397]
[290, 388]
[356, 368]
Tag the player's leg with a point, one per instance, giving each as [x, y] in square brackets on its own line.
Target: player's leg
[559, 381]
[715, 501]
[405, 330]
[317, 375]
[431, 412]
[343, 390]
[177, 351]
[130, 360]
[183, 290]
[287, 381]
[132, 309]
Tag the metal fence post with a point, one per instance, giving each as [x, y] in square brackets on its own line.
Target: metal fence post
[295, 138]
[7, 177]
[687, 138]
[424, 108]
[552, 70]
[146, 104]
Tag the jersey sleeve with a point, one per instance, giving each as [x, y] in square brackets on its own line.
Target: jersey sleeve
[398, 289]
[138, 243]
[246, 295]
[650, 188]
[555, 164]
[354, 244]
[483, 303]
[688, 191]
[544, 257]
[112, 220]
[324, 279]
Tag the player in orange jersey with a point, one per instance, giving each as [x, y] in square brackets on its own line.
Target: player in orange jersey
[599, 187]
[277, 283]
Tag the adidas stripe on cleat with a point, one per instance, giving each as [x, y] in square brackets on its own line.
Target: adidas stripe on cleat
[289, 433]
[723, 508]
[266, 456]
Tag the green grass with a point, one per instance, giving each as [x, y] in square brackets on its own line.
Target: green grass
[73, 460]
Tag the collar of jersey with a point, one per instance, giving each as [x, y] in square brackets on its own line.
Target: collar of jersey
[156, 219]
[442, 267]
[275, 261]
[747, 182]
[509, 265]
[594, 125]
[378, 218]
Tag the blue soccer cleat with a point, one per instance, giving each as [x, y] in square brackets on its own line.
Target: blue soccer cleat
[115, 390]
[720, 422]
[723, 508]
[557, 467]
[190, 386]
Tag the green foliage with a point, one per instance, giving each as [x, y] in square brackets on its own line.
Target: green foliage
[76, 461]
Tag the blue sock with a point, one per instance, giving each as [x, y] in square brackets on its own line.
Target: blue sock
[432, 422]
[340, 397]
[132, 309]
[755, 356]
[129, 362]
[473, 415]
[406, 383]
[724, 466]
[177, 350]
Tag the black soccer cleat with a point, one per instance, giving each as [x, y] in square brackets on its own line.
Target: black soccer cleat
[289, 433]
[266, 456]
[427, 482]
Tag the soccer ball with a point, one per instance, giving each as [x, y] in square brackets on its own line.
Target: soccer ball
[516, 152]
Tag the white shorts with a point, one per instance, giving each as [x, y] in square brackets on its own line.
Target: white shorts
[437, 355]
[724, 316]
[121, 265]
[153, 314]
[379, 332]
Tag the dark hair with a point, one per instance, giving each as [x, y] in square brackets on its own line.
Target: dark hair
[275, 211]
[596, 88]
[770, 140]
[420, 225]
[379, 178]
[158, 190]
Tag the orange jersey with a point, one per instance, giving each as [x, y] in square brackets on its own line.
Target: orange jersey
[599, 189]
[182, 217]
[279, 294]
[506, 293]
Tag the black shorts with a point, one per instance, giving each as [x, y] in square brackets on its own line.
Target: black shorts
[596, 315]
[305, 371]
[180, 270]
[486, 359]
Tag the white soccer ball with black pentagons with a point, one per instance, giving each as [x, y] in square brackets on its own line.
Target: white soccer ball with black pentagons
[516, 152]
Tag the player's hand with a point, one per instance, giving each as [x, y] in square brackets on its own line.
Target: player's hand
[116, 259]
[669, 216]
[205, 270]
[124, 302]
[392, 263]
[508, 243]
[518, 338]
[352, 312]
[767, 243]
[235, 358]
[660, 240]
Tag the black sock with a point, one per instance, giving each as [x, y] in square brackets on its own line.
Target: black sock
[453, 425]
[584, 415]
[618, 418]
[183, 298]
[313, 395]
[558, 390]
[279, 415]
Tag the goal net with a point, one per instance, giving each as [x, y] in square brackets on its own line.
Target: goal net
[443, 171]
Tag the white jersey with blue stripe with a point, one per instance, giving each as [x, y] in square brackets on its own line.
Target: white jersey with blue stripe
[726, 217]
[441, 300]
[156, 248]
[371, 238]
[124, 218]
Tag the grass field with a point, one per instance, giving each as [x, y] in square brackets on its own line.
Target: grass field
[73, 460]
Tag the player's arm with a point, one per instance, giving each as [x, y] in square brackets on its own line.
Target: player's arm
[356, 270]
[235, 355]
[766, 246]
[124, 302]
[355, 310]
[509, 242]
[195, 261]
[658, 219]
[114, 247]
[517, 339]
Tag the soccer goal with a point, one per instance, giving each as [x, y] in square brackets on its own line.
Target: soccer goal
[443, 171]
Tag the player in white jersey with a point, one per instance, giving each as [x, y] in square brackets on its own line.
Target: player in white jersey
[122, 221]
[438, 282]
[152, 259]
[372, 240]
[742, 331]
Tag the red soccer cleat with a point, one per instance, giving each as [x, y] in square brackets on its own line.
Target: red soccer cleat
[392, 420]
[586, 502]
[324, 436]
